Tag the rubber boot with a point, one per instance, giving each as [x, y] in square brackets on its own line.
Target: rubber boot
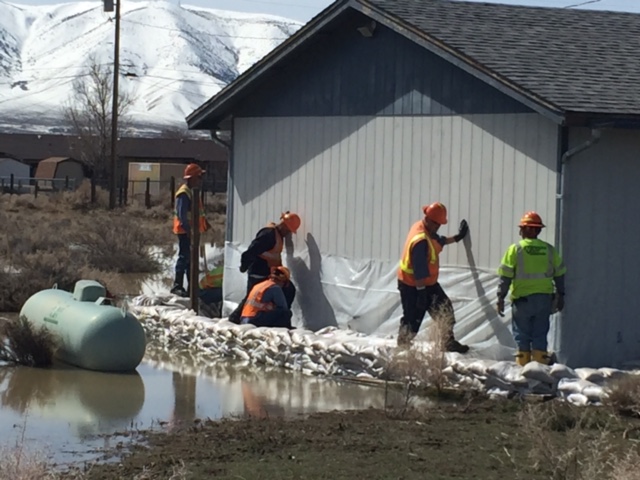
[541, 356]
[523, 357]
[455, 346]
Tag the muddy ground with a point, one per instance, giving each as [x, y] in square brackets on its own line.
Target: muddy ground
[475, 439]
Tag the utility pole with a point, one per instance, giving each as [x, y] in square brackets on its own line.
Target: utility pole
[114, 107]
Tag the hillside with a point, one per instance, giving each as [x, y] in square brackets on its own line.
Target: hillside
[173, 57]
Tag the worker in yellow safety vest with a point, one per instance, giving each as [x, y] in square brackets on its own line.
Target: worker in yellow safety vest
[418, 273]
[533, 271]
[264, 253]
[266, 305]
[211, 286]
[182, 224]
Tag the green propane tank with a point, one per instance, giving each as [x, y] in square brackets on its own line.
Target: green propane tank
[92, 334]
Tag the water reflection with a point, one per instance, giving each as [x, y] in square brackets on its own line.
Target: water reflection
[66, 411]
[91, 401]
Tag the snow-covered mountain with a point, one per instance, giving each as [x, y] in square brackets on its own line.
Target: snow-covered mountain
[173, 57]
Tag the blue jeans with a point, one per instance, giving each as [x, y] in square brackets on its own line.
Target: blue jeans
[530, 321]
[184, 255]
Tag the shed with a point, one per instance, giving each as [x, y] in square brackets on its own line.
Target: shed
[377, 107]
[59, 173]
[11, 166]
[159, 175]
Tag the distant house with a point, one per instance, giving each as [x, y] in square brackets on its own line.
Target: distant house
[10, 166]
[377, 107]
[59, 173]
[159, 175]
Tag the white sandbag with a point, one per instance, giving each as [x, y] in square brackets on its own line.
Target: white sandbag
[612, 373]
[508, 372]
[590, 374]
[593, 392]
[560, 371]
[578, 399]
[479, 367]
[539, 372]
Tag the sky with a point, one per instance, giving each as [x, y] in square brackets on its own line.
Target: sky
[304, 10]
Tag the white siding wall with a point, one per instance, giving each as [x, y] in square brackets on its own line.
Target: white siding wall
[600, 324]
[359, 183]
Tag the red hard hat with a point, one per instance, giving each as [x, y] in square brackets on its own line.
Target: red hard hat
[193, 170]
[531, 219]
[291, 220]
[436, 212]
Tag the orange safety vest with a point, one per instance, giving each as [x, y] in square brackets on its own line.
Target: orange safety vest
[273, 257]
[405, 270]
[177, 228]
[254, 304]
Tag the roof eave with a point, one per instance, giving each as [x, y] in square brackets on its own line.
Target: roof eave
[218, 102]
[466, 63]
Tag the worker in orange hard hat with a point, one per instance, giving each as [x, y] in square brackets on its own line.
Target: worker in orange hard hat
[265, 252]
[418, 272]
[533, 271]
[182, 224]
[266, 305]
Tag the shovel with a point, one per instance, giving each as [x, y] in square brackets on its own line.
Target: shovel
[204, 257]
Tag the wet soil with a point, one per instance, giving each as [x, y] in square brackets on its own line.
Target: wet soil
[476, 439]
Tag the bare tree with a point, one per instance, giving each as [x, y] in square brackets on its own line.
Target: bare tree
[88, 111]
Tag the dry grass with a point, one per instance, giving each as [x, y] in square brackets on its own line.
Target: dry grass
[572, 443]
[624, 395]
[21, 343]
[421, 367]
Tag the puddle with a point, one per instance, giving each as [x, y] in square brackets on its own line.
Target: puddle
[70, 414]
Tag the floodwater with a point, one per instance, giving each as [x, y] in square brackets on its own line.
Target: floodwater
[71, 414]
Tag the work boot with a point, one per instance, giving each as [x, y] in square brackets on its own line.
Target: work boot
[179, 290]
[541, 356]
[455, 346]
[523, 357]
[405, 336]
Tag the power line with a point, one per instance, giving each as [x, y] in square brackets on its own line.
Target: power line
[583, 3]
[220, 35]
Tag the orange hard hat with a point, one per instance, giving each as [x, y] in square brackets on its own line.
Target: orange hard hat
[193, 170]
[281, 272]
[291, 220]
[531, 219]
[436, 212]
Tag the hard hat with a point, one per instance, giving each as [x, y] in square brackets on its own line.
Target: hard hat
[281, 272]
[436, 212]
[531, 219]
[193, 170]
[291, 220]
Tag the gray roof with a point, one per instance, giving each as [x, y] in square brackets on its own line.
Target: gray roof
[578, 60]
[556, 61]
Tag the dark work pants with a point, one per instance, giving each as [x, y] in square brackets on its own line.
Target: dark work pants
[289, 291]
[276, 318]
[438, 305]
[184, 258]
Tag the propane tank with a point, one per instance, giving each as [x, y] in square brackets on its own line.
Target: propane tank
[91, 333]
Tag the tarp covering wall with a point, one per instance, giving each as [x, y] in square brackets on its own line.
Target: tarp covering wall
[362, 295]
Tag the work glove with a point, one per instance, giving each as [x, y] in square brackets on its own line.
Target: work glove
[462, 231]
[423, 300]
[500, 307]
[243, 268]
[558, 303]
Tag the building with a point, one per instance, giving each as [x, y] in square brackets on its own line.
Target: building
[11, 167]
[376, 107]
[34, 147]
[159, 175]
[59, 173]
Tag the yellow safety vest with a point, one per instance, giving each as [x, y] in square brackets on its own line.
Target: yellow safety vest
[212, 279]
[177, 227]
[532, 265]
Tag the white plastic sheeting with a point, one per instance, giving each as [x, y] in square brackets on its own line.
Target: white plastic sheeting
[362, 295]
[334, 351]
